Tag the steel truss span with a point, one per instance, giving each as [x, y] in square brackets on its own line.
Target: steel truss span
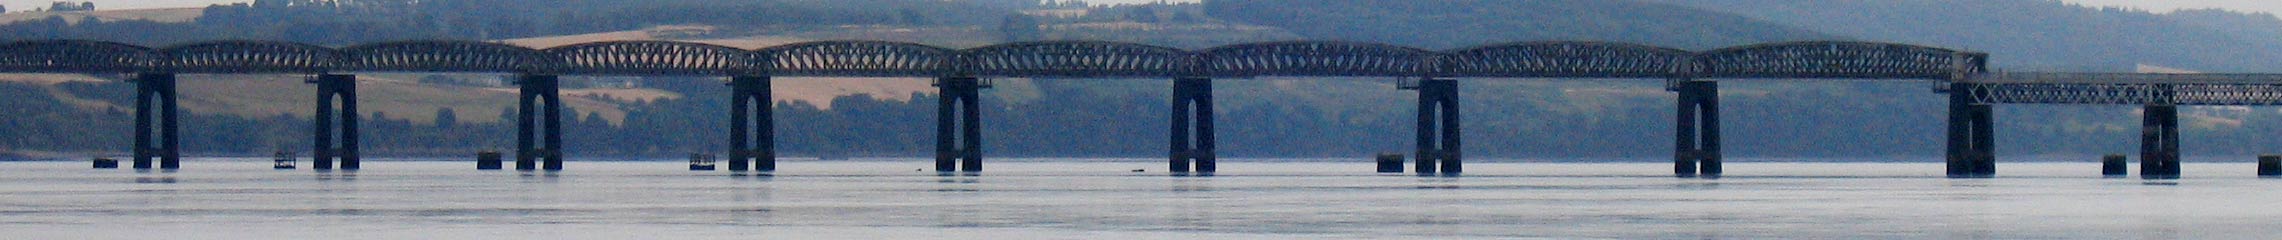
[2130, 94]
[1100, 59]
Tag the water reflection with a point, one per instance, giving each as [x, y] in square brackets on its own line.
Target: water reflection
[539, 176]
[1046, 200]
[760, 176]
[344, 176]
[159, 179]
[1192, 185]
[1438, 183]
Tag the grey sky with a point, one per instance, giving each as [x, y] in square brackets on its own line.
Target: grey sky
[2154, 5]
[14, 5]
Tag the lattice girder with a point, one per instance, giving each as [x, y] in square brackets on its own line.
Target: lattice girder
[446, 56]
[1826, 59]
[2129, 94]
[859, 59]
[653, 58]
[1079, 59]
[239, 56]
[71, 56]
[1566, 60]
[1317, 58]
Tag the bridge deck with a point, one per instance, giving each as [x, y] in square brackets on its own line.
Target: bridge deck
[2126, 88]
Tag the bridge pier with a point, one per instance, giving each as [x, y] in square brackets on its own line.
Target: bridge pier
[1697, 147]
[752, 125]
[332, 87]
[1438, 128]
[2159, 142]
[164, 145]
[1192, 133]
[537, 89]
[1972, 136]
[958, 125]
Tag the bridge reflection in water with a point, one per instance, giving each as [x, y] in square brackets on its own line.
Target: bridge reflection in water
[1964, 76]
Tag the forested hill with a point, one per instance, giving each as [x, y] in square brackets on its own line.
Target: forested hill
[1462, 23]
[2039, 34]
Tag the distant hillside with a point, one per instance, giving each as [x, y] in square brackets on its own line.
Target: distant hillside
[2253, 26]
[1452, 24]
[156, 15]
[2037, 34]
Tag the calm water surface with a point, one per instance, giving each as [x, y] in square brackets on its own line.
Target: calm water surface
[1104, 199]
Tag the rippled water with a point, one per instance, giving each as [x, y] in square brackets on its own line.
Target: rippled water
[1104, 199]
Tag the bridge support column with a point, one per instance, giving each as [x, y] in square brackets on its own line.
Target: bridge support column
[958, 125]
[343, 88]
[538, 89]
[1438, 129]
[2159, 142]
[164, 145]
[1192, 133]
[1697, 148]
[752, 125]
[1972, 135]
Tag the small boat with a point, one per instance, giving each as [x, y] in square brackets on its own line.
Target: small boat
[700, 162]
[284, 160]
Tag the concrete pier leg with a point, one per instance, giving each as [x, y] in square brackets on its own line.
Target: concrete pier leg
[1684, 144]
[1971, 150]
[321, 155]
[2159, 142]
[1180, 148]
[351, 158]
[971, 125]
[334, 119]
[1984, 140]
[958, 133]
[1452, 155]
[553, 153]
[740, 124]
[1697, 147]
[764, 150]
[946, 128]
[170, 125]
[157, 122]
[1207, 151]
[144, 115]
[1192, 134]
[2270, 166]
[1708, 155]
[1438, 128]
[752, 125]
[526, 147]
[2113, 165]
[538, 136]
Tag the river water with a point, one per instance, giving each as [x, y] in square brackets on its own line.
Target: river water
[1105, 199]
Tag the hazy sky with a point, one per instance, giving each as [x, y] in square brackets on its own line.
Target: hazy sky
[14, 5]
[2155, 5]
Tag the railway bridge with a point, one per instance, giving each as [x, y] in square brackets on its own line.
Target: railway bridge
[1694, 76]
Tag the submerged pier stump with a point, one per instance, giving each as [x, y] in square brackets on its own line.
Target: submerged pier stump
[704, 162]
[2270, 166]
[106, 163]
[487, 160]
[1390, 163]
[2113, 165]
